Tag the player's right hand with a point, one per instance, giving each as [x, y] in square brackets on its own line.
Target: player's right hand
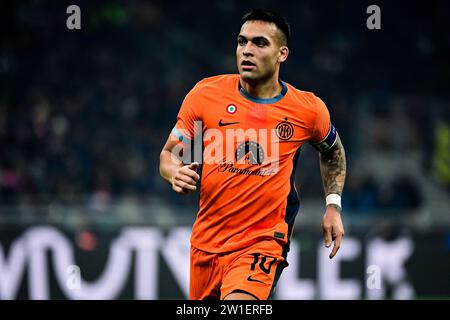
[185, 178]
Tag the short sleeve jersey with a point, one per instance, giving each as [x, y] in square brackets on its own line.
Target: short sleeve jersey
[250, 149]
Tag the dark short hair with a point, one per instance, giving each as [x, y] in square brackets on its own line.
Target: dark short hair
[270, 16]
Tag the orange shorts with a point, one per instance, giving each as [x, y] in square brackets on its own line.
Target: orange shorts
[254, 270]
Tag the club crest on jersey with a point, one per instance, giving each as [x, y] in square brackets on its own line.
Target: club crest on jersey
[231, 108]
[285, 130]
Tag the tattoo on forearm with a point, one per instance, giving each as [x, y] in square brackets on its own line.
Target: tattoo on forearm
[333, 169]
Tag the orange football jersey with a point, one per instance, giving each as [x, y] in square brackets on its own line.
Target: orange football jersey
[249, 150]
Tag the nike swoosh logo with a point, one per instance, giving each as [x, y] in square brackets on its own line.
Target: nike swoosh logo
[222, 124]
[254, 280]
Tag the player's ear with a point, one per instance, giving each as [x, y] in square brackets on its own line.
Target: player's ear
[283, 54]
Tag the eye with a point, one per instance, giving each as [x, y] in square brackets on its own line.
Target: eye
[260, 42]
[241, 41]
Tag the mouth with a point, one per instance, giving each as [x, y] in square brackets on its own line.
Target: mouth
[247, 65]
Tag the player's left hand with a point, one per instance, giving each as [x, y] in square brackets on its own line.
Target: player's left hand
[333, 229]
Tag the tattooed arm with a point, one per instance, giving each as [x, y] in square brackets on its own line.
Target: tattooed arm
[333, 170]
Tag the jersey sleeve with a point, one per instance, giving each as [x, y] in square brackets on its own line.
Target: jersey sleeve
[324, 135]
[189, 117]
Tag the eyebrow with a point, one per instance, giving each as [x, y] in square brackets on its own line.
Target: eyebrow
[259, 38]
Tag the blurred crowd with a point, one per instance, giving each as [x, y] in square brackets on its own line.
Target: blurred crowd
[85, 113]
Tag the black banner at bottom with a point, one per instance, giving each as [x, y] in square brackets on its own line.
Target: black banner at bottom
[179, 309]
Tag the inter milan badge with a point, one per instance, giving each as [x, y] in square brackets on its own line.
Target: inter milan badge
[285, 130]
[231, 109]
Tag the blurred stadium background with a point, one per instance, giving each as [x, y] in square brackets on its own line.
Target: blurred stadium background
[85, 113]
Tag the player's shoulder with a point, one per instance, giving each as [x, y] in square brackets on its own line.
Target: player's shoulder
[305, 98]
[217, 82]
[210, 87]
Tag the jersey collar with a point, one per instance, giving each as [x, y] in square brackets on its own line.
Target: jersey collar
[277, 98]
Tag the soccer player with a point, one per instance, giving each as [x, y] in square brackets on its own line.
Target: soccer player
[248, 200]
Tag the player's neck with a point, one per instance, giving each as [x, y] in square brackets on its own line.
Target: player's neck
[263, 90]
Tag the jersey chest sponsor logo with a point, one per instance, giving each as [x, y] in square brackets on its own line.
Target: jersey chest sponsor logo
[251, 152]
[248, 152]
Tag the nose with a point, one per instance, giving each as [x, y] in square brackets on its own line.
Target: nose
[247, 52]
